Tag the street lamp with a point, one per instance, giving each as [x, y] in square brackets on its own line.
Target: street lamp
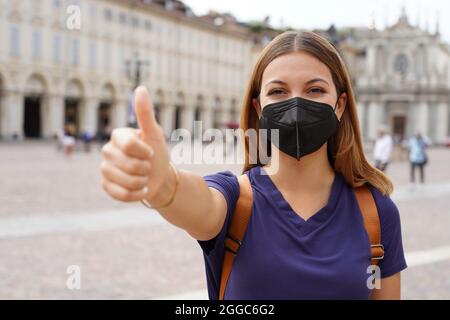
[134, 69]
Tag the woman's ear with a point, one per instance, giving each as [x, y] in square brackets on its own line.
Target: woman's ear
[257, 106]
[342, 103]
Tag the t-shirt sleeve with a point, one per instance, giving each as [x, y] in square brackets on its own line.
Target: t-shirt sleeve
[391, 235]
[225, 182]
[213, 250]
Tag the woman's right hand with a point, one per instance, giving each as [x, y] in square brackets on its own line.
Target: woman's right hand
[136, 161]
[136, 166]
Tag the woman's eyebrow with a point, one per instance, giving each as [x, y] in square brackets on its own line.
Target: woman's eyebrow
[307, 82]
[317, 80]
[275, 81]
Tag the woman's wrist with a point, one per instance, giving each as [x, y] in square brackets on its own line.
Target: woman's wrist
[166, 193]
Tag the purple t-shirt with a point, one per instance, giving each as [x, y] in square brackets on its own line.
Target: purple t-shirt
[285, 257]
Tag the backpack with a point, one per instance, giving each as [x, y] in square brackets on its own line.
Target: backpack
[242, 214]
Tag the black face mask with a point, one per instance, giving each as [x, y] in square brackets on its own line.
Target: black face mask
[303, 125]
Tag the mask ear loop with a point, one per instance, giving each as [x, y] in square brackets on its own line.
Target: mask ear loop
[267, 144]
[335, 106]
[331, 142]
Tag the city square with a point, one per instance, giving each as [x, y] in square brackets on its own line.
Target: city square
[55, 214]
[361, 76]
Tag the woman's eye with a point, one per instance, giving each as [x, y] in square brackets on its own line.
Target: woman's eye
[317, 90]
[275, 91]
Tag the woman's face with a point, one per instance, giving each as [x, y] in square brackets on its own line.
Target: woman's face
[298, 74]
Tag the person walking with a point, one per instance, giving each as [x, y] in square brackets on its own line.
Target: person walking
[417, 158]
[87, 140]
[304, 235]
[383, 149]
[69, 139]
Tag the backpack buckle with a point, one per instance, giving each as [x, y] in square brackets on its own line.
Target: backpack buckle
[232, 245]
[377, 251]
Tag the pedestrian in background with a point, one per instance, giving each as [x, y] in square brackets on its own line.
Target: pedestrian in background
[87, 139]
[383, 149]
[60, 139]
[417, 157]
[69, 139]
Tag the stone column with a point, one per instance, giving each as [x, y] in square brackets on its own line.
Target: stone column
[371, 60]
[225, 116]
[208, 113]
[89, 116]
[119, 114]
[361, 106]
[207, 118]
[53, 114]
[187, 118]
[12, 116]
[421, 117]
[366, 121]
[4, 117]
[167, 120]
[198, 133]
[375, 114]
[442, 123]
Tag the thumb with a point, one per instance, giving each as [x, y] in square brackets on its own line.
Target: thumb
[143, 109]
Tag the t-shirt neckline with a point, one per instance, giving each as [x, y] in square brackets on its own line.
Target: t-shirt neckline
[285, 208]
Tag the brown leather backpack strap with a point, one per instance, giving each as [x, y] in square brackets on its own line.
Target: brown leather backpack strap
[371, 222]
[236, 230]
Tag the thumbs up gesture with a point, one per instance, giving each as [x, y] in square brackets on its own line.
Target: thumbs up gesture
[136, 161]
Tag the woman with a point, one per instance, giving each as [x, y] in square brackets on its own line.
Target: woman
[69, 139]
[417, 157]
[305, 239]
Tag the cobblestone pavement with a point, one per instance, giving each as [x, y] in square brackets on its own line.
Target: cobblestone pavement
[54, 214]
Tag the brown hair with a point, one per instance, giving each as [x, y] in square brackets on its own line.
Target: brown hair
[347, 151]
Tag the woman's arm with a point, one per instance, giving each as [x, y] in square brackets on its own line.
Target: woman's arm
[196, 208]
[136, 166]
[390, 289]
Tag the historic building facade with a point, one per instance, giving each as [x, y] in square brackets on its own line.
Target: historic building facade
[69, 61]
[74, 61]
[402, 80]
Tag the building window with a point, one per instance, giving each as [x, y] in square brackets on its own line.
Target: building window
[56, 48]
[14, 41]
[123, 18]
[135, 22]
[107, 57]
[75, 52]
[36, 44]
[93, 11]
[121, 59]
[92, 54]
[169, 5]
[401, 64]
[108, 14]
[148, 25]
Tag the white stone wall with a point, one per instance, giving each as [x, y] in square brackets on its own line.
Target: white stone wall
[424, 87]
[185, 58]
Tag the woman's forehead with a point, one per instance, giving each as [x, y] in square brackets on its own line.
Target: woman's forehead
[296, 67]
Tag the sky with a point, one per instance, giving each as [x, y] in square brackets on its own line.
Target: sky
[307, 14]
